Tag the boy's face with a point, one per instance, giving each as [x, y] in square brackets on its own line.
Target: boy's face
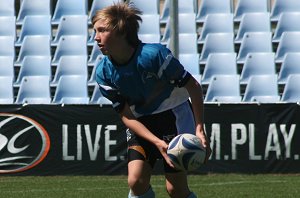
[107, 39]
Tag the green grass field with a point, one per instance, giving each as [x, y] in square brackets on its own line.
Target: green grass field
[212, 185]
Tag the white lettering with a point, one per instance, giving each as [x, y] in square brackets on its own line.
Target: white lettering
[109, 142]
[66, 156]
[215, 140]
[287, 138]
[236, 131]
[252, 155]
[93, 148]
[272, 142]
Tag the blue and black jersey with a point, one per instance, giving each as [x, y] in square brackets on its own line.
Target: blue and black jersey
[151, 82]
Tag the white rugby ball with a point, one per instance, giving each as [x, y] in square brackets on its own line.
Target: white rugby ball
[186, 152]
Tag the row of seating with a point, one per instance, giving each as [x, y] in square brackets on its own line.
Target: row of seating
[73, 89]
[81, 7]
[260, 89]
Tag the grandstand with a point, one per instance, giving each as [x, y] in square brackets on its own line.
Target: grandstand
[255, 38]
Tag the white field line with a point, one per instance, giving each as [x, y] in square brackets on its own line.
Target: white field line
[32, 190]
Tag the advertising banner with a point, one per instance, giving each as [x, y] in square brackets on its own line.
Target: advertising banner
[91, 140]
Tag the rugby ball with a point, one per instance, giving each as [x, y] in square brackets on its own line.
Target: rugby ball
[186, 152]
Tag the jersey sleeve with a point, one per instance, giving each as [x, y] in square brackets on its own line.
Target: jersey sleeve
[171, 69]
[108, 90]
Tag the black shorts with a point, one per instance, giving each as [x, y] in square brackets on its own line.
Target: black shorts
[165, 125]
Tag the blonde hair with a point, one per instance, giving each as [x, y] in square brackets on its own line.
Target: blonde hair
[123, 18]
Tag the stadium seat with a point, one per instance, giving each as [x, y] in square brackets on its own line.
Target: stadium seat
[70, 45]
[223, 89]
[6, 90]
[7, 46]
[253, 22]
[183, 26]
[219, 64]
[34, 90]
[30, 24]
[287, 22]
[33, 7]
[69, 7]
[217, 43]
[190, 62]
[149, 8]
[258, 64]
[8, 26]
[71, 89]
[7, 8]
[262, 89]
[99, 4]
[98, 98]
[283, 6]
[213, 7]
[184, 6]
[71, 25]
[289, 43]
[216, 23]
[7, 66]
[70, 65]
[34, 66]
[150, 28]
[291, 92]
[254, 42]
[95, 55]
[187, 44]
[37, 45]
[289, 66]
[246, 6]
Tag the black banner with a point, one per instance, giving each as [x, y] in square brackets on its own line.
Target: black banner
[91, 140]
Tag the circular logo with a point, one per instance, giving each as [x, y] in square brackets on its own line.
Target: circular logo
[24, 143]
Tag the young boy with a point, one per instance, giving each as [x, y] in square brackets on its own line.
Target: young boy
[150, 90]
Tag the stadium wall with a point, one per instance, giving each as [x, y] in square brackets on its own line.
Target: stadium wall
[90, 140]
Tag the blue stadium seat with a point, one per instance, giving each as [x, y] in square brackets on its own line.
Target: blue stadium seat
[30, 24]
[70, 45]
[187, 43]
[289, 43]
[253, 22]
[262, 89]
[291, 92]
[258, 64]
[7, 66]
[95, 55]
[8, 26]
[213, 7]
[183, 26]
[71, 25]
[33, 7]
[190, 62]
[92, 79]
[289, 66]
[151, 7]
[246, 6]
[254, 42]
[6, 90]
[99, 4]
[70, 65]
[98, 98]
[7, 7]
[69, 7]
[216, 23]
[198, 77]
[282, 6]
[7, 46]
[184, 6]
[34, 90]
[223, 89]
[217, 43]
[150, 28]
[37, 45]
[287, 22]
[219, 64]
[34, 66]
[71, 89]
